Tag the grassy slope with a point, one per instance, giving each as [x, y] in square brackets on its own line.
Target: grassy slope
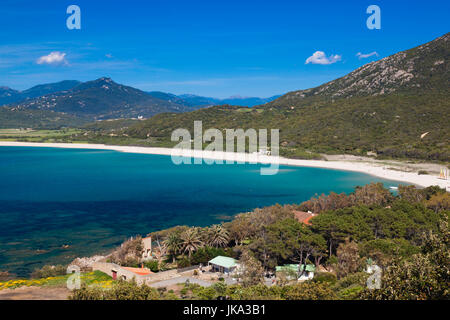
[390, 125]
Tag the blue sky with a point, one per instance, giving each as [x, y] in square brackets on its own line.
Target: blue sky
[213, 48]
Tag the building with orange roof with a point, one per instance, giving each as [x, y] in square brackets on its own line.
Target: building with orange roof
[139, 271]
[304, 217]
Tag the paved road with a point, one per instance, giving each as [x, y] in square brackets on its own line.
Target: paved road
[166, 283]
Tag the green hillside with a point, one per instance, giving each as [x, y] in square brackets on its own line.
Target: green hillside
[37, 119]
[384, 107]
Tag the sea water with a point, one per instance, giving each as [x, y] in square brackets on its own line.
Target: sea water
[59, 204]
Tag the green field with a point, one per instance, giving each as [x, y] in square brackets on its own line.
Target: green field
[29, 135]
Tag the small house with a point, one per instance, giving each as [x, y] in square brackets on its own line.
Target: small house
[307, 272]
[304, 217]
[288, 272]
[223, 264]
[294, 271]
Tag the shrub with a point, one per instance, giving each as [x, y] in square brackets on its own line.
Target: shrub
[183, 263]
[310, 291]
[325, 277]
[220, 288]
[359, 278]
[153, 265]
[120, 290]
[49, 271]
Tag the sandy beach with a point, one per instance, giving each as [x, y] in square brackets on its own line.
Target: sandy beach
[386, 170]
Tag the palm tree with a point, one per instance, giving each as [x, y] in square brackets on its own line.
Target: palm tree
[191, 240]
[173, 244]
[218, 236]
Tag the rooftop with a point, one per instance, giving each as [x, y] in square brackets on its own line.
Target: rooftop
[295, 268]
[139, 271]
[225, 262]
[303, 217]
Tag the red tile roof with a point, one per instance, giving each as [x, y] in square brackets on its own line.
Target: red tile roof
[304, 217]
[139, 271]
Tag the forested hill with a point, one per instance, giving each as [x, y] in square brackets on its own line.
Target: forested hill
[101, 99]
[398, 106]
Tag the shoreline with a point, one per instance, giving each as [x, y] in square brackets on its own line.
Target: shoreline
[371, 168]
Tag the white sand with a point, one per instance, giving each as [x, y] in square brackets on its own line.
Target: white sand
[371, 168]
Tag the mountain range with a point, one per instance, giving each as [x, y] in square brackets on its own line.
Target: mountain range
[8, 95]
[105, 99]
[191, 100]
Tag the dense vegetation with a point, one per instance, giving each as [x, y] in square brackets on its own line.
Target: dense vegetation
[390, 125]
[406, 235]
[38, 119]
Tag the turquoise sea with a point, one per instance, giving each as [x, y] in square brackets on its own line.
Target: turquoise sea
[91, 200]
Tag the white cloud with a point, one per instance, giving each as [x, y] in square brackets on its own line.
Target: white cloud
[54, 57]
[367, 55]
[319, 57]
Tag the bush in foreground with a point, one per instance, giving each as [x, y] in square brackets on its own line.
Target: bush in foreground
[49, 271]
[120, 290]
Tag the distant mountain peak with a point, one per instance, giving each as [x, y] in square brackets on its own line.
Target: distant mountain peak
[237, 96]
[102, 99]
[420, 68]
[105, 79]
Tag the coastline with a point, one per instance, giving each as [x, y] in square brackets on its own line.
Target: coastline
[371, 168]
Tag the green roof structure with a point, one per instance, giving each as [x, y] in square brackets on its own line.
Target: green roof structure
[309, 268]
[295, 268]
[225, 262]
[287, 268]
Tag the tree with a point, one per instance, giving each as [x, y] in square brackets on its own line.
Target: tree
[333, 227]
[262, 251]
[129, 253]
[239, 228]
[425, 276]
[318, 248]
[439, 202]
[289, 239]
[173, 244]
[373, 194]
[218, 236]
[251, 271]
[283, 239]
[191, 240]
[348, 259]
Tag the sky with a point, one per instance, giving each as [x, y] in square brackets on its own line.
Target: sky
[210, 48]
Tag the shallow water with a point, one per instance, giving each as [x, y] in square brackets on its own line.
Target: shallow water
[92, 200]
